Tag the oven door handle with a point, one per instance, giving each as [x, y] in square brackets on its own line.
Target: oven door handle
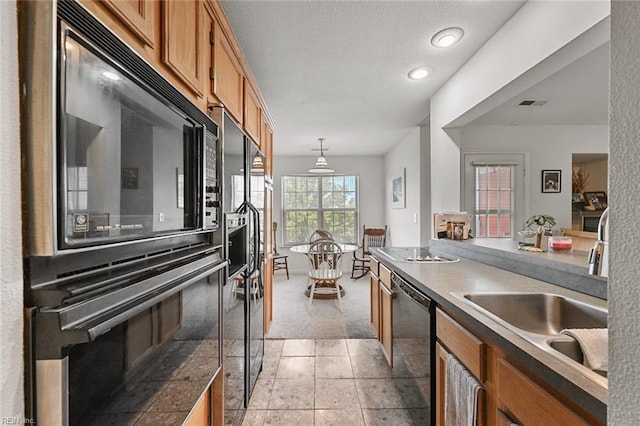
[80, 323]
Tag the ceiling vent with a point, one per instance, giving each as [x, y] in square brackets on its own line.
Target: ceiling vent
[531, 102]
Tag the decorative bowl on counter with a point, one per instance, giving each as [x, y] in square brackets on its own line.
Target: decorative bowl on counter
[527, 233]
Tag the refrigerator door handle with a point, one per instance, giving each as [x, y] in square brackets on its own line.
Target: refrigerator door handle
[256, 238]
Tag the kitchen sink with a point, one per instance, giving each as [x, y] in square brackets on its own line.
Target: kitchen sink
[539, 318]
[571, 349]
[541, 313]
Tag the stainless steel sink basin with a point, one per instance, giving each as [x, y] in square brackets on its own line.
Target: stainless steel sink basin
[571, 349]
[540, 313]
[539, 318]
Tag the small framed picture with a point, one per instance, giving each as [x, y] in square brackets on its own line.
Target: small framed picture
[129, 178]
[397, 189]
[551, 180]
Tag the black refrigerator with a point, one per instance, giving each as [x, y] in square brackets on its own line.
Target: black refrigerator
[243, 192]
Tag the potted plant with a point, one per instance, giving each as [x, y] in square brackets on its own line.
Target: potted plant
[543, 221]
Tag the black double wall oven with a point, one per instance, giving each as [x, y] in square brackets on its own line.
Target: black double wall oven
[124, 264]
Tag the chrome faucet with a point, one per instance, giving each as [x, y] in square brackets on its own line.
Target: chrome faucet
[599, 254]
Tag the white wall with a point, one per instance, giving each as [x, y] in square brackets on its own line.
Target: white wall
[404, 223]
[534, 33]
[624, 199]
[11, 364]
[547, 148]
[370, 170]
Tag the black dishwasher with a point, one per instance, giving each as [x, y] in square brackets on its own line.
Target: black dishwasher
[414, 334]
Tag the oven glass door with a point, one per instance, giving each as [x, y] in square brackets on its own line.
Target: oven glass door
[128, 160]
[152, 368]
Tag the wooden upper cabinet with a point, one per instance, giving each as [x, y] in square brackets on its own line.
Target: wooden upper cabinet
[227, 76]
[252, 114]
[137, 15]
[184, 41]
[266, 138]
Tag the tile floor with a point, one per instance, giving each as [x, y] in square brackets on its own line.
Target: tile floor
[341, 382]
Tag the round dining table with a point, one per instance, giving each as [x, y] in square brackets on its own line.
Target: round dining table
[304, 249]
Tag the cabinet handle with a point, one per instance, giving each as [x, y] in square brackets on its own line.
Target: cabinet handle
[505, 420]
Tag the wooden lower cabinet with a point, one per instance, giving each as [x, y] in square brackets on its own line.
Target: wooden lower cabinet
[200, 413]
[454, 339]
[208, 410]
[374, 288]
[382, 307]
[511, 395]
[524, 402]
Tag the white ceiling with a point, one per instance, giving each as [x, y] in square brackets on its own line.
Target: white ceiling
[338, 70]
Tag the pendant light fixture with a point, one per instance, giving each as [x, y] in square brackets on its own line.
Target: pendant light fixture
[321, 166]
[257, 165]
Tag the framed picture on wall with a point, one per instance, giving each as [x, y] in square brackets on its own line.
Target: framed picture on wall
[398, 190]
[551, 180]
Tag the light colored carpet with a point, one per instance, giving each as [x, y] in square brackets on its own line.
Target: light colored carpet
[293, 318]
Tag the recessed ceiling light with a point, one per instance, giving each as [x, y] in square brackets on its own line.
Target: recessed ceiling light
[420, 73]
[447, 37]
[111, 75]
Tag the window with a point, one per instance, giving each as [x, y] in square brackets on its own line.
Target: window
[77, 188]
[494, 201]
[257, 191]
[320, 202]
[256, 196]
[494, 193]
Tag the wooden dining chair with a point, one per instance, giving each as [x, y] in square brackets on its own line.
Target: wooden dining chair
[371, 237]
[325, 269]
[320, 234]
[279, 260]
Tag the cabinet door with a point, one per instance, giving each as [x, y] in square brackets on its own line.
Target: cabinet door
[441, 383]
[184, 41]
[386, 322]
[529, 404]
[441, 368]
[227, 75]
[266, 136]
[137, 15]
[375, 303]
[252, 114]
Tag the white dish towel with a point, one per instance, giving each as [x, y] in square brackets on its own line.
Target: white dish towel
[594, 343]
[461, 395]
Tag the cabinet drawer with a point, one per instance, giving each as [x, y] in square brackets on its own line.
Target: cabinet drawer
[527, 403]
[468, 348]
[385, 276]
[374, 265]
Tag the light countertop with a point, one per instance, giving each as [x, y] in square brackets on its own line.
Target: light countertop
[439, 281]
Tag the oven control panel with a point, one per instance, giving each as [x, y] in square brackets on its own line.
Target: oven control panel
[211, 187]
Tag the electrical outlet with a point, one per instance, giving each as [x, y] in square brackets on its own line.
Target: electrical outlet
[160, 217]
[415, 218]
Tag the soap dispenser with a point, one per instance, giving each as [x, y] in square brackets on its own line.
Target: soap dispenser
[599, 254]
